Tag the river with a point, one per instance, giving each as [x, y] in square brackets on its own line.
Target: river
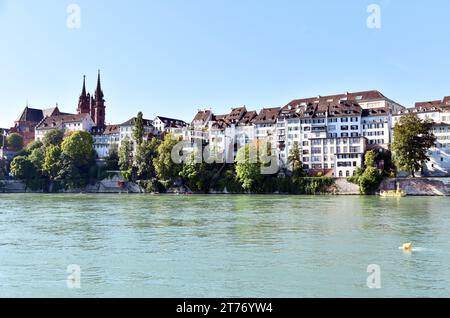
[222, 246]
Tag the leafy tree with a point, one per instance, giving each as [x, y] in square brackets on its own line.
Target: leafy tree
[112, 160]
[70, 174]
[412, 141]
[166, 169]
[15, 142]
[370, 180]
[195, 174]
[52, 165]
[79, 148]
[369, 177]
[34, 145]
[126, 155]
[37, 158]
[138, 131]
[54, 137]
[295, 160]
[370, 158]
[145, 154]
[23, 169]
[248, 169]
[77, 159]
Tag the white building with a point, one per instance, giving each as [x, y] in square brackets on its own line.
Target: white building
[66, 123]
[105, 139]
[126, 129]
[166, 125]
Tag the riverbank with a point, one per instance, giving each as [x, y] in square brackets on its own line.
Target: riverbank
[340, 186]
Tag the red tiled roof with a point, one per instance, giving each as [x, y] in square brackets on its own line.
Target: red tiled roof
[235, 115]
[202, 116]
[428, 104]
[58, 121]
[247, 118]
[267, 115]
[357, 96]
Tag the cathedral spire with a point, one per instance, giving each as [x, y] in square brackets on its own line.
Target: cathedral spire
[98, 91]
[83, 92]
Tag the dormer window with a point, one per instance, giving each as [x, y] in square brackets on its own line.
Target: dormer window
[359, 97]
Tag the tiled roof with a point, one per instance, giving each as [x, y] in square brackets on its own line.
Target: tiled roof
[132, 122]
[345, 108]
[267, 116]
[168, 121]
[202, 116]
[429, 104]
[235, 115]
[357, 96]
[31, 114]
[111, 129]
[446, 100]
[247, 118]
[58, 121]
[54, 111]
[376, 112]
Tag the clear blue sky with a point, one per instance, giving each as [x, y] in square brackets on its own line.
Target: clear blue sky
[172, 57]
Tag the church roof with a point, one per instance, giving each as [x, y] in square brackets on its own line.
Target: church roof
[31, 114]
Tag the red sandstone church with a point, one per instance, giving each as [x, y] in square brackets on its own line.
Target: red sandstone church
[32, 119]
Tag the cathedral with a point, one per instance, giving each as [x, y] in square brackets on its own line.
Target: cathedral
[93, 105]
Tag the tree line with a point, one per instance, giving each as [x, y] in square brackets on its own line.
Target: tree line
[69, 160]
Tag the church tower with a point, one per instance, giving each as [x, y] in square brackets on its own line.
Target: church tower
[84, 100]
[98, 105]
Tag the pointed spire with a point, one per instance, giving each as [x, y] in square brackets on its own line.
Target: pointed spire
[98, 91]
[83, 92]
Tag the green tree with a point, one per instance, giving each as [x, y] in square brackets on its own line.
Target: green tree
[112, 160]
[70, 174]
[138, 131]
[79, 148]
[77, 159]
[248, 167]
[295, 160]
[145, 154]
[166, 169]
[370, 158]
[126, 155]
[54, 137]
[34, 145]
[195, 174]
[370, 180]
[23, 169]
[413, 139]
[15, 142]
[52, 164]
[37, 158]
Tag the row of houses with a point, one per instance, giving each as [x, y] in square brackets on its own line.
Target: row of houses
[333, 132]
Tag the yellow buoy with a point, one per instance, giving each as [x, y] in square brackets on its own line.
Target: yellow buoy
[407, 247]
